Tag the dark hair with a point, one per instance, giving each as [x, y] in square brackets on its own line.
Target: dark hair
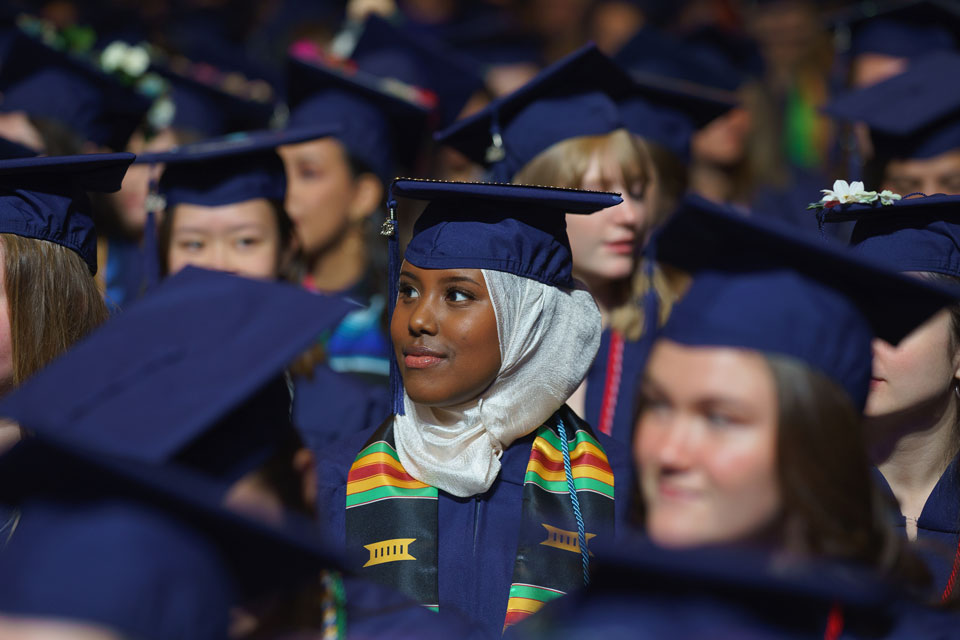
[165, 230]
[832, 506]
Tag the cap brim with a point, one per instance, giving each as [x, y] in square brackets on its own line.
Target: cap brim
[705, 236]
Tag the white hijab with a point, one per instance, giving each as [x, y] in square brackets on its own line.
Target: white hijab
[548, 339]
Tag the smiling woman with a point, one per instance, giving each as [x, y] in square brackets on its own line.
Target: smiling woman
[749, 430]
[483, 483]
[444, 332]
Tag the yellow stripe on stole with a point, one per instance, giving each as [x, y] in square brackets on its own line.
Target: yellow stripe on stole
[579, 471]
[382, 480]
[524, 605]
[556, 456]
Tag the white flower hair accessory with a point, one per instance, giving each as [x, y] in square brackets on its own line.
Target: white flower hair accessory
[852, 193]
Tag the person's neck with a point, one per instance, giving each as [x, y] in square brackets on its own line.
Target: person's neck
[341, 265]
[711, 181]
[609, 294]
[913, 448]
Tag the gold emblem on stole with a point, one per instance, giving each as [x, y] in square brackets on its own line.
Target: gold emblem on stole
[563, 539]
[389, 551]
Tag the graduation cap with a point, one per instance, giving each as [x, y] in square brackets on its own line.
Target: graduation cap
[762, 287]
[47, 83]
[914, 234]
[202, 107]
[235, 168]
[915, 114]
[46, 198]
[573, 97]
[142, 549]
[391, 52]
[486, 34]
[381, 120]
[721, 591]
[899, 28]
[129, 389]
[650, 52]
[517, 229]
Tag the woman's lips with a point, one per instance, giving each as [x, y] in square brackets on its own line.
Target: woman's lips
[624, 247]
[874, 382]
[421, 358]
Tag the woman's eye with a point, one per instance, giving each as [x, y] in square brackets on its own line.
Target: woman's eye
[717, 419]
[637, 191]
[190, 245]
[458, 295]
[407, 291]
[310, 173]
[247, 242]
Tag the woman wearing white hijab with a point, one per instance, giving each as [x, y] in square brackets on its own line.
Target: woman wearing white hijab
[462, 499]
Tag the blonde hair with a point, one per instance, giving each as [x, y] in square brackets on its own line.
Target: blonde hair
[53, 301]
[565, 164]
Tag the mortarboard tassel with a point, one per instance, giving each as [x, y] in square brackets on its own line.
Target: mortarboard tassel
[151, 250]
[651, 301]
[389, 229]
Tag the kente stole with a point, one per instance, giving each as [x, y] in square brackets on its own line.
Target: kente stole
[392, 519]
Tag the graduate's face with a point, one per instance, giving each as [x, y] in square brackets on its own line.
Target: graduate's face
[917, 375]
[241, 238]
[131, 200]
[939, 174]
[324, 198]
[706, 445]
[444, 332]
[605, 244]
[723, 141]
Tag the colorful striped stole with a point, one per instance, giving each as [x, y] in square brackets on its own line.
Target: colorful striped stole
[393, 517]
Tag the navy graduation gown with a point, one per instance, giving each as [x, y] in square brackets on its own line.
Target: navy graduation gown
[378, 612]
[601, 381]
[938, 527]
[478, 536]
[351, 392]
[333, 405]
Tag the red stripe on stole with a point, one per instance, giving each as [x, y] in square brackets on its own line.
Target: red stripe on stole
[513, 617]
[587, 459]
[375, 469]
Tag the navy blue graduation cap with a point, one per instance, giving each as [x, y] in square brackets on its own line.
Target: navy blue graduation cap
[651, 52]
[491, 36]
[382, 121]
[147, 550]
[574, 97]
[203, 108]
[130, 388]
[47, 83]
[914, 234]
[517, 229]
[720, 592]
[899, 28]
[46, 197]
[762, 287]
[235, 168]
[392, 52]
[915, 114]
